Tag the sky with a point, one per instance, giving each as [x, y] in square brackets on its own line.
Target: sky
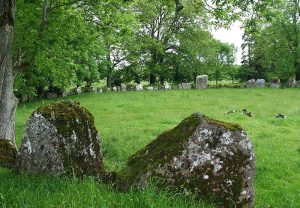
[232, 35]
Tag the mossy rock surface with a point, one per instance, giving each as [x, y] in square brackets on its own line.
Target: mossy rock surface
[201, 155]
[61, 139]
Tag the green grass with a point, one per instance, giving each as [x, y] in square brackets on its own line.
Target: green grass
[128, 121]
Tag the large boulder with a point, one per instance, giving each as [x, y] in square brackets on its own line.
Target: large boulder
[202, 156]
[61, 139]
[202, 82]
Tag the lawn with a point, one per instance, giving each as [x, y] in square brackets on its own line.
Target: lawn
[128, 121]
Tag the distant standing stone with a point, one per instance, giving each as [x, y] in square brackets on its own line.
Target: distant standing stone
[52, 95]
[186, 86]
[78, 90]
[275, 83]
[168, 87]
[100, 90]
[61, 139]
[139, 87]
[203, 156]
[150, 88]
[291, 83]
[115, 89]
[251, 83]
[298, 84]
[260, 83]
[123, 87]
[202, 82]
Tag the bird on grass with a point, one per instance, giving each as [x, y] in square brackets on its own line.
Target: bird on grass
[282, 116]
[247, 113]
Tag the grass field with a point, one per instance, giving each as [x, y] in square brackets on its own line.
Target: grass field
[128, 121]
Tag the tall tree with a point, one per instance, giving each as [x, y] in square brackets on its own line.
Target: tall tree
[8, 101]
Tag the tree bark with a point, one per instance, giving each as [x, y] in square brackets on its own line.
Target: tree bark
[8, 101]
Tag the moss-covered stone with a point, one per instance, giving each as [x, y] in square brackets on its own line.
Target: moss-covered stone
[7, 153]
[200, 155]
[61, 139]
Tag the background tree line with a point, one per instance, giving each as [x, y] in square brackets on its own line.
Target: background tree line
[61, 44]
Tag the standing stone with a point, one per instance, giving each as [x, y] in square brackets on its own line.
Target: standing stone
[186, 86]
[150, 88]
[251, 83]
[275, 82]
[202, 82]
[52, 95]
[123, 87]
[95, 90]
[180, 86]
[61, 139]
[260, 83]
[100, 90]
[139, 87]
[290, 83]
[168, 87]
[115, 89]
[298, 84]
[78, 90]
[202, 156]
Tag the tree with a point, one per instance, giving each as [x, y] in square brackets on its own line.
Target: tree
[8, 101]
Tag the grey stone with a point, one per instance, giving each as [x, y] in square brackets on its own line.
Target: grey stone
[52, 95]
[275, 83]
[298, 84]
[123, 87]
[260, 83]
[251, 83]
[139, 87]
[78, 90]
[202, 156]
[61, 139]
[291, 83]
[202, 82]
[150, 88]
[115, 89]
[168, 87]
[186, 86]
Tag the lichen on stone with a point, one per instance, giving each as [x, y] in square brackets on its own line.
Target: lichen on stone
[61, 139]
[200, 155]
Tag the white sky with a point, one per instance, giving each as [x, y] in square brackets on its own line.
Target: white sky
[232, 35]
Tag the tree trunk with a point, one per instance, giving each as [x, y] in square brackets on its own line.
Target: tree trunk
[8, 101]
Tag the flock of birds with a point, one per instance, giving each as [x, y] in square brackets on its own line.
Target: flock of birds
[249, 114]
